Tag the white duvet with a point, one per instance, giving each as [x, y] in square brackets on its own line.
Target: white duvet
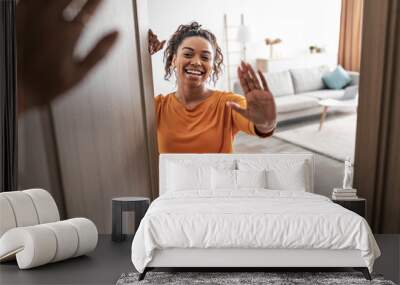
[250, 219]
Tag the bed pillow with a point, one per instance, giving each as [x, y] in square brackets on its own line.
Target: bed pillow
[282, 174]
[293, 180]
[251, 178]
[181, 177]
[226, 179]
[223, 179]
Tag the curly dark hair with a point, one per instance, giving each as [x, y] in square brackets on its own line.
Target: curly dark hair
[192, 30]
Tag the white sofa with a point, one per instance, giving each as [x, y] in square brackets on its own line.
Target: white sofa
[31, 231]
[297, 91]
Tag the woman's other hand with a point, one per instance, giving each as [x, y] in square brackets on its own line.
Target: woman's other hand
[154, 44]
[260, 107]
[46, 41]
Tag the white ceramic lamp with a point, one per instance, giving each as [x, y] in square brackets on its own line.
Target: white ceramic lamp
[243, 36]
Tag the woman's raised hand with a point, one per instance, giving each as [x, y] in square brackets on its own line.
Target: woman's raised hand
[260, 107]
[47, 67]
[154, 44]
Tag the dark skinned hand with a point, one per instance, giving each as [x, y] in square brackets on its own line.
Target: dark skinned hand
[46, 42]
[154, 44]
[260, 107]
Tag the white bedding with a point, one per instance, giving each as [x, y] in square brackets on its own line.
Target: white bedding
[251, 218]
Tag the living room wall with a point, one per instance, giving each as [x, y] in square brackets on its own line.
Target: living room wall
[298, 23]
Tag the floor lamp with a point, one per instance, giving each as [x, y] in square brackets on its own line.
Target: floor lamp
[243, 36]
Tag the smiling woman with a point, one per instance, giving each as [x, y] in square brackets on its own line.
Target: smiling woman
[196, 119]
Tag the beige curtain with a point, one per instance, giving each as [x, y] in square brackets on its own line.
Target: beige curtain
[350, 34]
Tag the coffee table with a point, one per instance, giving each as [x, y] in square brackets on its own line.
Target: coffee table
[342, 105]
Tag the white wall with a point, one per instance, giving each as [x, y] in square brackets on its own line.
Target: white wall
[298, 23]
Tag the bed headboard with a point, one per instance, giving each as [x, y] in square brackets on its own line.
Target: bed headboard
[275, 160]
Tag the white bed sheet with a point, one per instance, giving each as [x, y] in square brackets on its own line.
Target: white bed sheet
[251, 218]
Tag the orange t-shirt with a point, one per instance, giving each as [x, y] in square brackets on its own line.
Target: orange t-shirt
[208, 128]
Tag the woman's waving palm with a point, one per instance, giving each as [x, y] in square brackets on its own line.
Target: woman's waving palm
[260, 107]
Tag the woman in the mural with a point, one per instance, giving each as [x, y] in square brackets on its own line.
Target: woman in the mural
[196, 119]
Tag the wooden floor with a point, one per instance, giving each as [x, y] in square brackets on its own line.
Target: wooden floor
[110, 259]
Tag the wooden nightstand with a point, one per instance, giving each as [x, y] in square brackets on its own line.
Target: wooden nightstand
[358, 206]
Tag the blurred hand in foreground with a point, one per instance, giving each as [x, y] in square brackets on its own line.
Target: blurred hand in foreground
[46, 39]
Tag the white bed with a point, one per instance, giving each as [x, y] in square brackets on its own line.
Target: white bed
[201, 222]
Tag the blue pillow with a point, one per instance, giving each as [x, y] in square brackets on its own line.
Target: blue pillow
[336, 79]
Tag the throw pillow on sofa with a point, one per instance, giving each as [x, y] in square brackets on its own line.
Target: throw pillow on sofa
[337, 79]
[279, 83]
[308, 79]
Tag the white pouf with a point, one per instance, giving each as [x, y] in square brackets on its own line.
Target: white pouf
[37, 245]
[23, 208]
[66, 237]
[31, 232]
[45, 205]
[32, 246]
[87, 233]
[7, 220]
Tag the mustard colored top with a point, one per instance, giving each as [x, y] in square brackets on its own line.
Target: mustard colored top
[208, 128]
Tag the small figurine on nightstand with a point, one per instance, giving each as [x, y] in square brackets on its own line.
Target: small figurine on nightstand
[347, 196]
[348, 174]
[347, 192]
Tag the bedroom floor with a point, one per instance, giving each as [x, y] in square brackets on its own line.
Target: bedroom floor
[110, 260]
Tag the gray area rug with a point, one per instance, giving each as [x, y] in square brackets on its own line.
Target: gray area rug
[229, 278]
[336, 139]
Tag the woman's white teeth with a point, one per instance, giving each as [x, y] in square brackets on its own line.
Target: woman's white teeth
[194, 72]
